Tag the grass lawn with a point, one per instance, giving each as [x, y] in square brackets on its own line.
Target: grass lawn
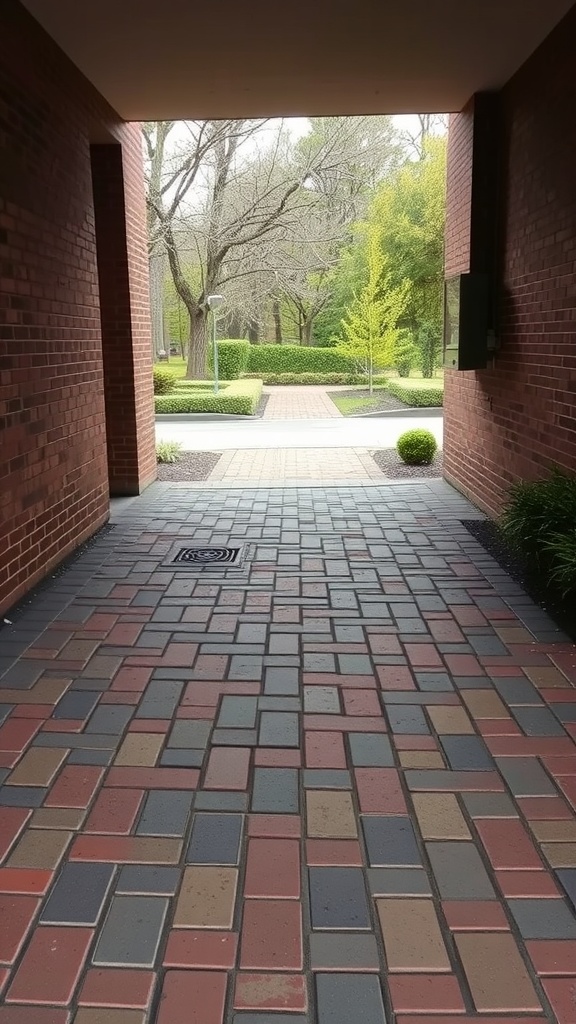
[352, 406]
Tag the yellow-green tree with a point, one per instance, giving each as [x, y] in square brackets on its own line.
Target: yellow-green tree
[370, 326]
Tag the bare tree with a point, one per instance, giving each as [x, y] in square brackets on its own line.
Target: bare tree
[226, 199]
[425, 125]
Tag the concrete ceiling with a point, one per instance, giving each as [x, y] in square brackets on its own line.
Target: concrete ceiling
[163, 59]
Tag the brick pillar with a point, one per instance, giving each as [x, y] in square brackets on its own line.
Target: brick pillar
[120, 217]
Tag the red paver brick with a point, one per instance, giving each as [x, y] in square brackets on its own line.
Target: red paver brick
[209, 949]
[209, 666]
[527, 884]
[459, 1019]
[475, 915]
[415, 743]
[343, 723]
[16, 733]
[271, 992]
[124, 635]
[379, 791]
[114, 811]
[51, 966]
[446, 631]
[277, 758]
[4, 975]
[75, 786]
[568, 787]
[395, 677]
[498, 727]
[64, 725]
[118, 697]
[134, 680]
[124, 849]
[564, 765]
[202, 694]
[33, 1015]
[271, 936]
[273, 869]
[425, 993]
[544, 808]
[16, 914]
[33, 710]
[361, 702]
[383, 644]
[325, 750]
[152, 778]
[508, 844]
[29, 881]
[464, 665]
[529, 746]
[468, 615]
[281, 826]
[427, 656]
[192, 712]
[192, 997]
[553, 956]
[562, 995]
[111, 987]
[333, 851]
[156, 725]
[228, 768]
[12, 821]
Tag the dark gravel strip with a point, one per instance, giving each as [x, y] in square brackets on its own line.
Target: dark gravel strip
[392, 466]
[190, 466]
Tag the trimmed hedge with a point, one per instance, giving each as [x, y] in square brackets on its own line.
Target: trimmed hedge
[298, 359]
[411, 394]
[240, 397]
[232, 358]
[309, 378]
[164, 380]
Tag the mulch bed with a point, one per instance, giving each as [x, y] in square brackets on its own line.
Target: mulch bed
[392, 466]
[562, 611]
[383, 402]
[190, 466]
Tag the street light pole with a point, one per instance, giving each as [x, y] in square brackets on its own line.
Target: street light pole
[213, 301]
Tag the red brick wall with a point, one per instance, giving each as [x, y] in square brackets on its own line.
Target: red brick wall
[53, 460]
[516, 418]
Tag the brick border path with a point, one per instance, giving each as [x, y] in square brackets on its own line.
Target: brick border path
[336, 784]
[300, 403]
[295, 465]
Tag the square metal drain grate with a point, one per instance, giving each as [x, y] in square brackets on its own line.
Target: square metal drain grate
[209, 556]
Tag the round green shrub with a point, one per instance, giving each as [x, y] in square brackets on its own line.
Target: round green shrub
[164, 380]
[417, 447]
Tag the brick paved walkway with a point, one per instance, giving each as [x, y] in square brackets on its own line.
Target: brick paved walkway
[300, 403]
[336, 783]
[296, 465]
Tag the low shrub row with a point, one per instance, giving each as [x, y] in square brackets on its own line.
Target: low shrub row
[309, 378]
[417, 395]
[297, 359]
[239, 397]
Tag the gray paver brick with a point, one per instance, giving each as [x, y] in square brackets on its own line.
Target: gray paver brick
[79, 894]
[279, 729]
[398, 882]
[525, 776]
[165, 813]
[190, 734]
[543, 919]
[342, 998]
[160, 699]
[489, 805]
[538, 722]
[326, 778]
[220, 801]
[467, 753]
[110, 719]
[76, 704]
[148, 879]
[407, 719]
[338, 951]
[275, 790]
[338, 898]
[567, 879]
[215, 839]
[321, 700]
[131, 932]
[390, 841]
[459, 871]
[370, 750]
[281, 682]
[237, 712]
[234, 738]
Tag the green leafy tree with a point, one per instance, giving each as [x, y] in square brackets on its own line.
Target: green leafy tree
[409, 211]
[370, 326]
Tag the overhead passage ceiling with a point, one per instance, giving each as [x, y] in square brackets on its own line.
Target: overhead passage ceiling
[163, 59]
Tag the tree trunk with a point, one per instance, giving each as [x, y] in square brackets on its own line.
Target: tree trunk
[300, 335]
[254, 332]
[277, 321]
[235, 325]
[308, 324]
[198, 347]
[157, 302]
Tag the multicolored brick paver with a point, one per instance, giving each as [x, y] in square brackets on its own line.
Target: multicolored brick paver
[337, 783]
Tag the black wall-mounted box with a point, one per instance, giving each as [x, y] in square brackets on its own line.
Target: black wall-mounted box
[466, 321]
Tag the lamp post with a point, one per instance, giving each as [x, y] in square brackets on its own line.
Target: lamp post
[213, 301]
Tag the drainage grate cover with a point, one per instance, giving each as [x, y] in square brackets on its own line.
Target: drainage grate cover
[209, 556]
